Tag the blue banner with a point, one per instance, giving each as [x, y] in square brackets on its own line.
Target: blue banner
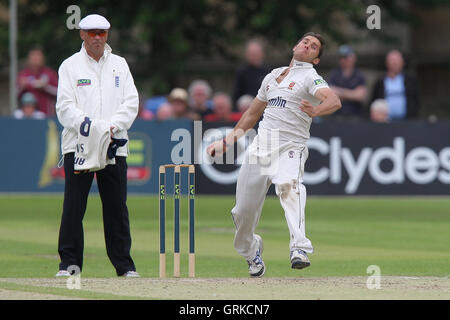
[344, 158]
[31, 151]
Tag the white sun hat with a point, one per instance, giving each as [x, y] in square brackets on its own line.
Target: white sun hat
[94, 21]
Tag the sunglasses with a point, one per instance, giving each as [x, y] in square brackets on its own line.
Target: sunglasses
[93, 33]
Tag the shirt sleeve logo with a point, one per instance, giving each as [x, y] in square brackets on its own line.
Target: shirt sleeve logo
[116, 81]
[291, 85]
[319, 82]
[83, 82]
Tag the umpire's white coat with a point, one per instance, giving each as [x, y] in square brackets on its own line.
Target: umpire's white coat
[99, 90]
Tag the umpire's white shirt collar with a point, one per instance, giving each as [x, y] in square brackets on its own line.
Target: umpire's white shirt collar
[106, 53]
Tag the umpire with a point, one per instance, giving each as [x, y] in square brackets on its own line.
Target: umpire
[97, 84]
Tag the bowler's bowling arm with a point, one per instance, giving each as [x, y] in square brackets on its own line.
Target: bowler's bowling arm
[247, 121]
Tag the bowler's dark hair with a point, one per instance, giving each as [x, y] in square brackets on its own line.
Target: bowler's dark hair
[318, 37]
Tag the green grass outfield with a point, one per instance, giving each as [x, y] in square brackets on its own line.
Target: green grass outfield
[406, 236]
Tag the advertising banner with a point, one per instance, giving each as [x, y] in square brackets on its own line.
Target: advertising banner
[31, 159]
[407, 158]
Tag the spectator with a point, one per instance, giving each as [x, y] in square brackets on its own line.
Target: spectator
[223, 109]
[145, 114]
[199, 93]
[178, 100]
[164, 112]
[28, 108]
[244, 102]
[40, 80]
[399, 89]
[152, 104]
[379, 111]
[349, 84]
[250, 74]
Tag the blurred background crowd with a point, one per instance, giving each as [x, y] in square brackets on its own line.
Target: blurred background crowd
[186, 65]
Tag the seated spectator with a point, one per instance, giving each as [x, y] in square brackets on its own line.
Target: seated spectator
[39, 80]
[398, 89]
[222, 109]
[199, 94]
[152, 104]
[164, 112]
[251, 73]
[178, 100]
[145, 114]
[349, 84]
[28, 108]
[379, 111]
[244, 102]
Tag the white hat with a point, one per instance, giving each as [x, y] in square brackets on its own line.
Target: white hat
[94, 21]
[379, 105]
[178, 94]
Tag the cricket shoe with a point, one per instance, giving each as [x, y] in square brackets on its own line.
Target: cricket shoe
[62, 273]
[256, 267]
[299, 259]
[131, 274]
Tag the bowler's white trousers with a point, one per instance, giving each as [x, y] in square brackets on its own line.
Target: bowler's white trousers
[284, 168]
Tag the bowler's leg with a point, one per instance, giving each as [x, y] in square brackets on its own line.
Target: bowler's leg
[293, 200]
[112, 185]
[292, 194]
[251, 190]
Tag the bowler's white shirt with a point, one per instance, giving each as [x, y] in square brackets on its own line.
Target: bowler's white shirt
[283, 101]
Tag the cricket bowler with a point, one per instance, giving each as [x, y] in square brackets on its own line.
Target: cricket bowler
[288, 99]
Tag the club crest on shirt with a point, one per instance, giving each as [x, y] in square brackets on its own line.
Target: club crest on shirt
[83, 82]
[291, 85]
[291, 154]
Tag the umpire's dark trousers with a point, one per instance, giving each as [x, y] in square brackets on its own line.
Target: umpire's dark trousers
[112, 186]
